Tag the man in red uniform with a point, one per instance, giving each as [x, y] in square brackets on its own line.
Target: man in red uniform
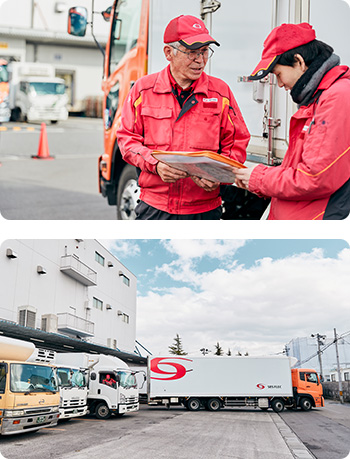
[180, 108]
[313, 182]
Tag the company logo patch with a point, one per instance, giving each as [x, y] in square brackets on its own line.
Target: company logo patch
[178, 370]
[260, 386]
[197, 26]
[210, 103]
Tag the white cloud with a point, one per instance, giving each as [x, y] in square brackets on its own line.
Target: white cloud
[256, 309]
[121, 248]
[199, 248]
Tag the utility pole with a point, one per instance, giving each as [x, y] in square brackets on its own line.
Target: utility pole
[338, 368]
[320, 343]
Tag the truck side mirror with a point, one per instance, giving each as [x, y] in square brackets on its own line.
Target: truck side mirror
[77, 21]
[107, 14]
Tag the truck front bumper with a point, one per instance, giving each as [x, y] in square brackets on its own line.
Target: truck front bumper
[13, 425]
[128, 408]
[67, 413]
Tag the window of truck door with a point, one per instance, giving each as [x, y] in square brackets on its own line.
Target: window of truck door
[124, 32]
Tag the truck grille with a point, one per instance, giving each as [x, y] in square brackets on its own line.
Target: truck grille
[35, 411]
[134, 399]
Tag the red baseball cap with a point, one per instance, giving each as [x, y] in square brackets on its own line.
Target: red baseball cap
[281, 39]
[189, 31]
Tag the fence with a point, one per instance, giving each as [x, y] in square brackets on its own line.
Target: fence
[331, 390]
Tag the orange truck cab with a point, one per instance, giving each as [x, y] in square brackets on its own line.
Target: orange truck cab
[307, 388]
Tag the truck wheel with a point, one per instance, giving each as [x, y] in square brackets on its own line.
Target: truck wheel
[102, 411]
[213, 404]
[193, 404]
[277, 405]
[128, 194]
[305, 404]
[15, 114]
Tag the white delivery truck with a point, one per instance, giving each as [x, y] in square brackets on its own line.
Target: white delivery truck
[36, 94]
[72, 384]
[112, 386]
[29, 394]
[216, 382]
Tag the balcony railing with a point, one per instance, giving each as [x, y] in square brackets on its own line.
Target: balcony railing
[69, 323]
[73, 267]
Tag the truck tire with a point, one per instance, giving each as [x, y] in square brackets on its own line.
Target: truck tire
[305, 404]
[213, 404]
[277, 405]
[193, 404]
[15, 114]
[102, 411]
[128, 194]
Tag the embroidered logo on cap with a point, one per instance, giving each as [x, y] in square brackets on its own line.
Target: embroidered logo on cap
[197, 26]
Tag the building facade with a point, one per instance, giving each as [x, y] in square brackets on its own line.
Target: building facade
[306, 351]
[36, 31]
[72, 287]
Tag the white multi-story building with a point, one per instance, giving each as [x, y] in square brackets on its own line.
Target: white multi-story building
[74, 287]
[36, 31]
[306, 351]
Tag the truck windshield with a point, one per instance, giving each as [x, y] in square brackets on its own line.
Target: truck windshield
[125, 30]
[44, 88]
[26, 377]
[127, 379]
[4, 76]
[71, 377]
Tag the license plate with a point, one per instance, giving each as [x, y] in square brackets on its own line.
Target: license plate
[40, 419]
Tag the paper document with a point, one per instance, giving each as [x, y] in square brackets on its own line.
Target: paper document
[203, 164]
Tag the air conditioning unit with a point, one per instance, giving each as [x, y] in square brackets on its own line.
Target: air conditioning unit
[112, 343]
[11, 253]
[49, 323]
[27, 316]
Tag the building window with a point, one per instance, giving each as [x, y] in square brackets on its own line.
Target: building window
[125, 318]
[98, 304]
[99, 258]
[346, 376]
[333, 378]
[126, 280]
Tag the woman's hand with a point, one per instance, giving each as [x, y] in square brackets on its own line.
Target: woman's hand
[242, 176]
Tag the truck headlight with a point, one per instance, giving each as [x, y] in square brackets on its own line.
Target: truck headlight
[14, 413]
[122, 398]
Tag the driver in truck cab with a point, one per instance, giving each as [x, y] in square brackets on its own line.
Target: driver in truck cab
[180, 108]
[109, 381]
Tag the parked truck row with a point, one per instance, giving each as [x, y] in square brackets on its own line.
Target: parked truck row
[38, 387]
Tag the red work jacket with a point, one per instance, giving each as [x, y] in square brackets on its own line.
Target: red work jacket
[313, 182]
[152, 119]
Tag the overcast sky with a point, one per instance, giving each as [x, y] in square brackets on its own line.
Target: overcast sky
[249, 295]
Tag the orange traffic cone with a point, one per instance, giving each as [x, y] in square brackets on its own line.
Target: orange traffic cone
[43, 150]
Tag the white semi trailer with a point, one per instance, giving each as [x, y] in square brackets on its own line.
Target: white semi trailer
[216, 382]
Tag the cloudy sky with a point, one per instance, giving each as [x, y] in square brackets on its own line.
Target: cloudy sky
[249, 295]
